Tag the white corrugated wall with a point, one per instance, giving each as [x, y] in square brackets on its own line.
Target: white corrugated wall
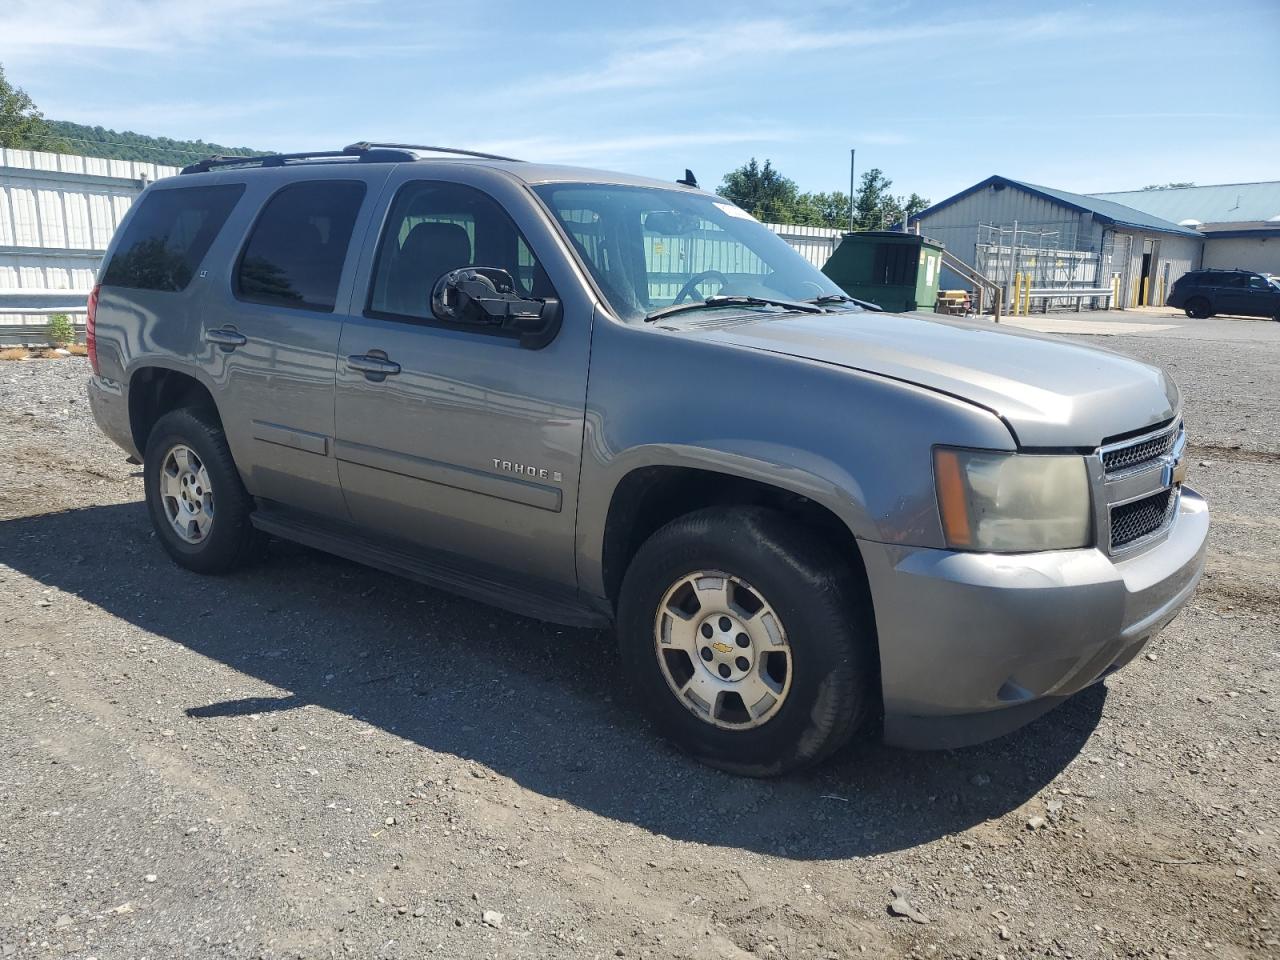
[57, 215]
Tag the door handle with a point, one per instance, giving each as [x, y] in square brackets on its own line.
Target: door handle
[228, 338]
[374, 365]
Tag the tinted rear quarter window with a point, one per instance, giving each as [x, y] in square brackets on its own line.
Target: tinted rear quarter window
[168, 235]
[296, 250]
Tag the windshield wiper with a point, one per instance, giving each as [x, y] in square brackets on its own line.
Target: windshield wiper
[733, 301]
[841, 298]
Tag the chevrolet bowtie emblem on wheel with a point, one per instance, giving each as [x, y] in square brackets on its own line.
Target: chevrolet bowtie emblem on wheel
[721, 647]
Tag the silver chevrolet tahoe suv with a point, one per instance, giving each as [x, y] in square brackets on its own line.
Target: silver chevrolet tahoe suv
[609, 401]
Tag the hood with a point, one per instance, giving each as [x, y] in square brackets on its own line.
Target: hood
[1051, 392]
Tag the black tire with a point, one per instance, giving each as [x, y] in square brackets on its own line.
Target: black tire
[232, 540]
[825, 613]
[1198, 308]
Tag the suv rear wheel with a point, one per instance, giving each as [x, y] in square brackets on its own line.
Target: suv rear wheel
[1198, 308]
[747, 641]
[198, 505]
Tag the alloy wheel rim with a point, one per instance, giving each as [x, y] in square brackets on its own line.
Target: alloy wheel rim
[186, 494]
[722, 650]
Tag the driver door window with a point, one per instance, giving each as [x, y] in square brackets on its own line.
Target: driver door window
[433, 228]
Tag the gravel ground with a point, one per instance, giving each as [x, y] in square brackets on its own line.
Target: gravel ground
[312, 759]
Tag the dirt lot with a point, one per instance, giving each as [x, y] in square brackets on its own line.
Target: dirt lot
[311, 759]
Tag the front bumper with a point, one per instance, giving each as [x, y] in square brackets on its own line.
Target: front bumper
[975, 645]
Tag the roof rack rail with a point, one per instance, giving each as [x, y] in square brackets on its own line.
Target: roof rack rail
[370, 145]
[356, 151]
[363, 150]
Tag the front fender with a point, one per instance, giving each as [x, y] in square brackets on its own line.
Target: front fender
[857, 444]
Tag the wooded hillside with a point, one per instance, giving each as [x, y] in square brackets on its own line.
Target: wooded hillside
[127, 145]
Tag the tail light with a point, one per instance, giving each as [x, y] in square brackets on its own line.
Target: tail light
[90, 333]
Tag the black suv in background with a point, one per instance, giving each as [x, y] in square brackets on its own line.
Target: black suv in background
[1240, 293]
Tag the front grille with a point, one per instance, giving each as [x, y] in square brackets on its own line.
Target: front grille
[1121, 458]
[1135, 520]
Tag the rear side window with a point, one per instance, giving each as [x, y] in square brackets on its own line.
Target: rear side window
[295, 253]
[168, 235]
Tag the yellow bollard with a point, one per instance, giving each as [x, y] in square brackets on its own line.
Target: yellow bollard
[1161, 303]
[1137, 288]
[1146, 291]
[1115, 293]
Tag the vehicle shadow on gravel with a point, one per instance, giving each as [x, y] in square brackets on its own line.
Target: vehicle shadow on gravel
[533, 702]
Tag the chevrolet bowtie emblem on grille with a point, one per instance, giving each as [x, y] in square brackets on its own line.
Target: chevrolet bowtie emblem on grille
[1175, 469]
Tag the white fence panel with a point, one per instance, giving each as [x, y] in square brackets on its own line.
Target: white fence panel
[57, 215]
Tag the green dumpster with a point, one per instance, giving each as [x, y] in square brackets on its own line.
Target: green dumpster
[896, 271]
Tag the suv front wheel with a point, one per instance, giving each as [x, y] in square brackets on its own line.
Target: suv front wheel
[198, 505]
[748, 640]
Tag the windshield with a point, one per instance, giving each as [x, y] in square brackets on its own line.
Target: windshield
[649, 248]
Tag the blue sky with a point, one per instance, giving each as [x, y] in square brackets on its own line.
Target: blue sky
[1080, 96]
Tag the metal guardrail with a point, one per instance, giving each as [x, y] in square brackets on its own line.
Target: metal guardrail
[34, 334]
[1045, 294]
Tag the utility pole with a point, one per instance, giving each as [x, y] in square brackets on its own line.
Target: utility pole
[853, 154]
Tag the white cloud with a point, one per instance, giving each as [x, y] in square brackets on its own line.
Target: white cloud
[166, 114]
[600, 150]
[32, 28]
[685, 53]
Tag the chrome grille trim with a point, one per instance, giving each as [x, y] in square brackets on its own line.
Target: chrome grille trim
[1140, 521]
[1137, 452]
[1140, 498]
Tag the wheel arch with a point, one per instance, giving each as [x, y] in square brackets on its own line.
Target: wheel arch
[651, 495]
[155, 389]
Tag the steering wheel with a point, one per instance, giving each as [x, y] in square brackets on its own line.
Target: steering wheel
[690, 288]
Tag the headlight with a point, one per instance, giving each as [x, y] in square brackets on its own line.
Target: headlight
[1012, 502]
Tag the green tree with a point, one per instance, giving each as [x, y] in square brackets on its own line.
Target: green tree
[127, 145]
[22, 126]
[59, 330]
[768, 195]
[762, 191]
[874, 207]
[914, 205]
[823, 209]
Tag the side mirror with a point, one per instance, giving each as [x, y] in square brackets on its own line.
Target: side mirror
[487, 296]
